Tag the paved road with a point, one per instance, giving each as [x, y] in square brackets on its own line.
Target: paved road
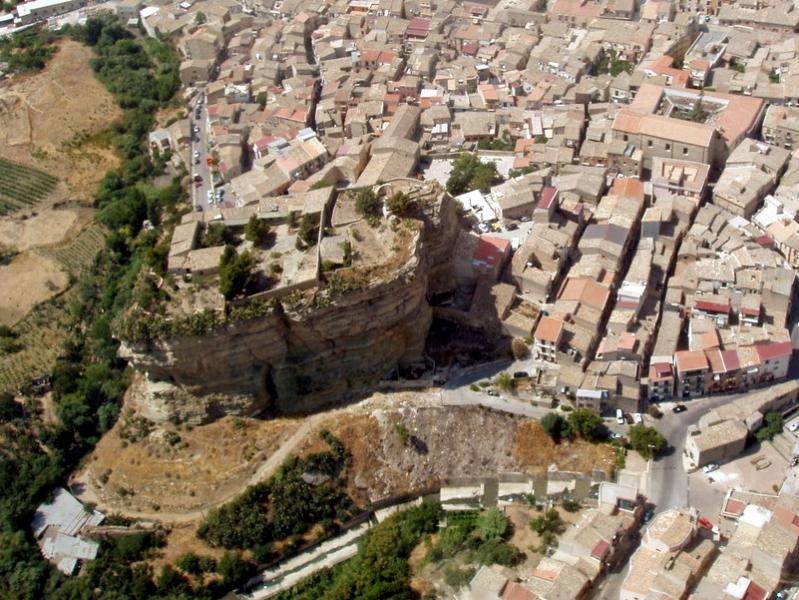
[199, 146]
[668, 485]
[457, 392]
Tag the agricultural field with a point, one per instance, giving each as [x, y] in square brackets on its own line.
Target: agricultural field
[22, 186]
[41, 335]
[55, 121]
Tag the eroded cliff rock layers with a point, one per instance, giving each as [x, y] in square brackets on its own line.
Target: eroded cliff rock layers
[299, 345]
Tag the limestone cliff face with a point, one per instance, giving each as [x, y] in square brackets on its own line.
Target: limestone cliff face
[302, 358]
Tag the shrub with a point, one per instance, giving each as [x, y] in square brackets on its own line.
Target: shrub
[570, 505]
[772, 425]
[647, 441]
[256, 230]
[587, 424]
[555, 426]
[400, 204]
[504, 381]
[236, 272]
[367, 204]
[520, 349]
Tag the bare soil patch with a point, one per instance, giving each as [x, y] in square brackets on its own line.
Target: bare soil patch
[51, 121]
[44, 229]
[28, 280]
[446, 443]
[172, 472]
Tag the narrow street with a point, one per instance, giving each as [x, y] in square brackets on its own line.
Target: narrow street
[201, 194]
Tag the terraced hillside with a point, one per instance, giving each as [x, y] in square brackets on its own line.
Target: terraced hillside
[22, 186]
[41, 336]
[78, 253]
[41, 333]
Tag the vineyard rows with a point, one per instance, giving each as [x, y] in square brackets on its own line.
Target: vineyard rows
[21, 186]
[42, 334]
[80, 252]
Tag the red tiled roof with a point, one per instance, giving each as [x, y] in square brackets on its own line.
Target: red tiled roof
[600, 550]
[711, 306]
[735, 507]
[771, 350]
[548, 195]
[690, 360]
[515, 591]
[491, 250]
[754, 592]
[627, 187]
[549, 329]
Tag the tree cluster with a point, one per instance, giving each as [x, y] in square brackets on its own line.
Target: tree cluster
[582, 422]
[647, 441]
[304, 492]
[236, 272]
[470, 173]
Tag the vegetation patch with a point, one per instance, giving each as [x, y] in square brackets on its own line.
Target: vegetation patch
[271, 516]
[22, 186]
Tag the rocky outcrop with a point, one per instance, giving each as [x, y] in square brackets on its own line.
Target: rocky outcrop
[301, 356]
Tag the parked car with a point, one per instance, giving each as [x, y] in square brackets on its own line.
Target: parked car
[628, 418]
[614, 435]
[709, 468]
[196, 154]
[679, 408]
[521, 374]
[492, 393]
[619, 416]
[511, 227]
[638, 418]
[525, 219]
[794, 426]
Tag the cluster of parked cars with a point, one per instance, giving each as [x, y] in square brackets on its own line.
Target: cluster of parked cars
[623, 417]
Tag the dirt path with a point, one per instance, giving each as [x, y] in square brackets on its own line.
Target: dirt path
[86, 487]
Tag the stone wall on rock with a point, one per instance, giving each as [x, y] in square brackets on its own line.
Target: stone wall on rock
[301, 358]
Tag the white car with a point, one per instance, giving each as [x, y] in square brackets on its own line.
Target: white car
[638, 418]
[196, 154]
[210, 194]
[710, 468]
[794, 426]
[619, 416]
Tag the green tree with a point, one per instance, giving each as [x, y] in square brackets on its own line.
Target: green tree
[235, 272]
[493, 525]
[772, 425]
[647, 441]
[587, 424]
[200, 18]
[400, 204]
[470, 173]
[549, 522]
[308, 230]
[256, 230]
[234, 569]
[555, 426]
[261, 99]
[216, 234]
[504, 381]
[367, 204]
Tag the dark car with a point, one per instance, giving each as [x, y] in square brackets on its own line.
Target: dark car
[679, 408]
[521, 374]
[629, 418]
[511, 226]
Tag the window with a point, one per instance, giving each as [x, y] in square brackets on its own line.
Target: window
[649, 143]
[625, 137]
[685, 151]
[668, 146]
